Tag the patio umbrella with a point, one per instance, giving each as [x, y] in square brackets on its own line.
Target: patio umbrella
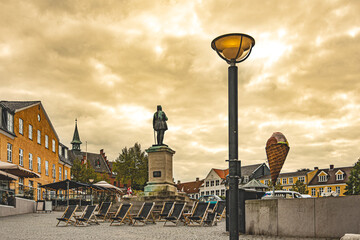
[107, 185]
[7, 176]
[17, 170]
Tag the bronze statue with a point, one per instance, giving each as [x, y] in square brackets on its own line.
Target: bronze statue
[159, 124]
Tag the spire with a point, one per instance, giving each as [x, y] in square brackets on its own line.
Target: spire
[76, 139]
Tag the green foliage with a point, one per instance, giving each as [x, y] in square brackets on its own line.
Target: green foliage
[353, 184]
[132, 167]
[83, 172]
[278, 185]
[299, 187]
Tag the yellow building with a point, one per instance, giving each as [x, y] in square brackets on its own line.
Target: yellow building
[329, 180]
[28, 139]
[287, 180]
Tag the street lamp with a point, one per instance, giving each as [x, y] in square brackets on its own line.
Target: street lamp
[233, 48]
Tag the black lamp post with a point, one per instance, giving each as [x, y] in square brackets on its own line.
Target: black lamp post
[233, 48]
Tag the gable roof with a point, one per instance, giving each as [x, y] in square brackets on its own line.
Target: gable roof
[331, 176]
[17, 106]
[245, 170]
[190, 187]
[92, 158]
[288, 174]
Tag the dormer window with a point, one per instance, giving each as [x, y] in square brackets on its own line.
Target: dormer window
[339, 175]
[10, 122]
[322, 178]
[97, 163]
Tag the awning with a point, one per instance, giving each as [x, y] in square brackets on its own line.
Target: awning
[107, 185]
[17, 170]
[7, 176]
[63, 185]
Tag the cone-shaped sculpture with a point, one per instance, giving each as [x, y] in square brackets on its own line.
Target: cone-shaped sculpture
[277, 149]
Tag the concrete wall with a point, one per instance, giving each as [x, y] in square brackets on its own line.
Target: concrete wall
[22, 206]
[315, 217]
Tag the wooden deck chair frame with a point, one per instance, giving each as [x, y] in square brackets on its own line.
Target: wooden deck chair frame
[123, 219]
[188, 214]
[210, 219]
[163, 215]
[69, 219]
[144, 220]
[222, 214]
[175, 219]
[192, 221]
[82, 221]
[102, 216]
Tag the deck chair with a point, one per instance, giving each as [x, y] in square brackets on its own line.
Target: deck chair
[68, 215]
[144, 213]
[216, 214]
[199, 214]
[87, 217]
[167, 206]
[220, 210]
[176, 213]
[122, 214]
[104, 210]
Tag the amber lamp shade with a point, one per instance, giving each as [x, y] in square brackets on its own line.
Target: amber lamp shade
[233, 47]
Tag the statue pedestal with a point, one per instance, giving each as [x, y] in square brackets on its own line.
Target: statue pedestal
[160, 171]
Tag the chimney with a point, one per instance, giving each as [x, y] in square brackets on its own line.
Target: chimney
[101, 151]
[331, 166]
[316, 168]
[178, 182]
[197, 179]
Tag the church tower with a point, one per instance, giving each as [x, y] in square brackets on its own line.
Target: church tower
[76, 139]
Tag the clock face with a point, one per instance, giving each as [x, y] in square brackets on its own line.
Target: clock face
[39, 117]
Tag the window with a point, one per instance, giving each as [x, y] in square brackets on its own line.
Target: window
[39, 192]
[21, 126]
[207, 183]
[337, 190]
[21, 157]
[329, 189]
[322, 178]
[54, 171]
[339, 177]
[222, 192]
[38, 136]
[278, 180]
[39, 118]
[30, 132]
[217, 182]
[217, 192]
[321, 190]
[66, 153]
[46, 168]
[246, 179]
[212, 192]
[30, 161]
[202, 193]
[207, 193]
[313, 192]
[9, 152]
[212, 183]
[31, 184]
[301, 179]
[266, 182]
[21, 183]
[60, 179]
[65, 177]
[53, 145]
[291, 180]
[284, 181]
[39, 164]
[10, 122]
[59, 149]
[46, 141]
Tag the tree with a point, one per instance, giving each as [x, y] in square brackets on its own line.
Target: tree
[353, 184]
[278, 185]
[132, 167]
[299, 187]
[83, 172]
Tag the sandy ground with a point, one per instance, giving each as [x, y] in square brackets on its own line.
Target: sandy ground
[43, 226]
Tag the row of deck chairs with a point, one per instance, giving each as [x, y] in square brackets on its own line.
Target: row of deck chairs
[172, 212]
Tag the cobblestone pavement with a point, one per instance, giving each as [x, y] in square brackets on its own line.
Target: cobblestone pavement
[43, 226]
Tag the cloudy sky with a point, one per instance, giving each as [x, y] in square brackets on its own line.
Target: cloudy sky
[109, 63]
